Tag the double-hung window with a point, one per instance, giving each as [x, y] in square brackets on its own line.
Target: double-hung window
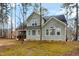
[34, 24]
[58, 31]
[47, 32]
[52, 31]
[29, 32]
[33, 32]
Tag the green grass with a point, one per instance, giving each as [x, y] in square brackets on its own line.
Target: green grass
[37, 48]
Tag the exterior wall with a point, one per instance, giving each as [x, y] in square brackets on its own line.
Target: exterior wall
[57, 24]
[34, 18]
[32, 37]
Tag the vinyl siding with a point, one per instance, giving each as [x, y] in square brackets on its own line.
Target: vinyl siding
[57, 24]
[34, 18]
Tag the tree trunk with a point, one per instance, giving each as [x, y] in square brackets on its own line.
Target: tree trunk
[40, 23]
[23, 18]
[66, 25]
[15, 21]
[66, 33]
[76, 36]
[11, 21]
[2, 20]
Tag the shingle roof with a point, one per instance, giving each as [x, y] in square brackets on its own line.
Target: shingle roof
[59, 17]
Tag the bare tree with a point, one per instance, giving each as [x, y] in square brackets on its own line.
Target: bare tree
[3, 16]
[76, 37]
[70, 6]
[40, 23]
[11, 12]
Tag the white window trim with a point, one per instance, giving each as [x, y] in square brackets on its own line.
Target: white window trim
[46, 32]
[32, 33]
[58, 29]
[55, 31]
[38, 32]
[34, 21]
[29, 32]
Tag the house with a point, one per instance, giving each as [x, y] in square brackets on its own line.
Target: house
[53, 27]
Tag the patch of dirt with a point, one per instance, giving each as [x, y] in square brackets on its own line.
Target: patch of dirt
[8, 46]
[73, 53]
[6, 43]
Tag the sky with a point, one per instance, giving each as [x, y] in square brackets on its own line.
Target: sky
[53, 8]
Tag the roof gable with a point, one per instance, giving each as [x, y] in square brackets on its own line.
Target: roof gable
[36, 14]
[31, 15]
[54, 19]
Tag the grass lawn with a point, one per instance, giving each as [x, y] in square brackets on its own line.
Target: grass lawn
[36, 48]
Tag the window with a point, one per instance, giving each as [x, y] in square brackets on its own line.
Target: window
[58, 31]
[33, 32]
[29, 32]
[39, 32]
[52, 32]
[34, 24]
[47, 32]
